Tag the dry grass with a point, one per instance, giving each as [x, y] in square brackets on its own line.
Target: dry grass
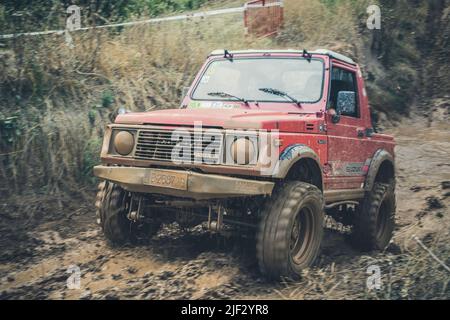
[409, 274]
[314, 23]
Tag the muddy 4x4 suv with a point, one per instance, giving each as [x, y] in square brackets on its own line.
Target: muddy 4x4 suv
[265, 142]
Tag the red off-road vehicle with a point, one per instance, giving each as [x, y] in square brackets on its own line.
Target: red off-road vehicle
[265, 142]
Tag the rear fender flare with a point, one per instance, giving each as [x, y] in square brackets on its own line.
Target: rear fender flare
[379, 157]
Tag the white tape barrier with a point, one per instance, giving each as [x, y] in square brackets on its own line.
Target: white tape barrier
[132, 23]
[267, 5]
[442, 263]
[154, 20]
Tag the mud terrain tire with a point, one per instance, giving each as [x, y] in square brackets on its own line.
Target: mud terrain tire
[375, 221]
[112, 204]
[290, 231]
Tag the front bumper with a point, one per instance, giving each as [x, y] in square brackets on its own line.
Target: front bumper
[182, 183]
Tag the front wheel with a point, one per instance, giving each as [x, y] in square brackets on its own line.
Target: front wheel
[113, 204]
[290, 231]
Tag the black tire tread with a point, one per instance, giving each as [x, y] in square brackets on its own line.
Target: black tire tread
[364, 235]
[273, 229]
[115, 224]
[111, 203]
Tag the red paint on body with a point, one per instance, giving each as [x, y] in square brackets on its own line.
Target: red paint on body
[345, 143]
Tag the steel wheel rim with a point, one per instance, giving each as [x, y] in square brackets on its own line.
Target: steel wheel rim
[301, 235]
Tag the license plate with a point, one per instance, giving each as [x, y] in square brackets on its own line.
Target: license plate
[165, 179]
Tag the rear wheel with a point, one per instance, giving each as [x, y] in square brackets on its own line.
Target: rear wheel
[375, 221]
[113, 205]
[290, 230]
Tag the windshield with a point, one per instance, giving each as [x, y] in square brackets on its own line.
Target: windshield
[244, 78]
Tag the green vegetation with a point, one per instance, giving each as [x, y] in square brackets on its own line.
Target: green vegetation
[26, 15]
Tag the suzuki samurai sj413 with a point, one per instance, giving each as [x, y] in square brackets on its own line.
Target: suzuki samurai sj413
[266, 143]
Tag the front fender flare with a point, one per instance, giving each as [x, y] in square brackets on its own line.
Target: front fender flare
[291, 155]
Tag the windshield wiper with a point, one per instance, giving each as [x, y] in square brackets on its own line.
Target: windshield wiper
[227, 95]
[280, 94]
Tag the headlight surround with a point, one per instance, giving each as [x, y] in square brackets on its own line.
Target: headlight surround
[123, 142]
[243, 151]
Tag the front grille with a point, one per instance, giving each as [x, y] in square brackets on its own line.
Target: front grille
[156, 144]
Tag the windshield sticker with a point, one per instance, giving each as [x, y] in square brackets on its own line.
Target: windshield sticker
[200, 104]
[211, 105]
[194, 104]
[217, 104]
[230, 106]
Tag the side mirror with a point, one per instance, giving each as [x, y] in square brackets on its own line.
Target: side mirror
[346, 103]
[335, 118]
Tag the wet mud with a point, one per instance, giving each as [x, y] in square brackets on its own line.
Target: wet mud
[178, 264]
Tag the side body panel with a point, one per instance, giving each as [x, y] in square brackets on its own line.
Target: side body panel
[351, 142]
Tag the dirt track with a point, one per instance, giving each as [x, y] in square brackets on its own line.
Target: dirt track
[175, 265]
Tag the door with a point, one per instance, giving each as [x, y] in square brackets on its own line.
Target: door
[347, 141]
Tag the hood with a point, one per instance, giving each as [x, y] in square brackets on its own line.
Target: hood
[225, 119]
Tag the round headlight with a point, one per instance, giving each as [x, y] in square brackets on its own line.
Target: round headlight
[242, 151]
[124, 143]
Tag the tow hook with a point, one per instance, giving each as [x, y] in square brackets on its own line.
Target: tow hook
[215, 225]
[135, 211]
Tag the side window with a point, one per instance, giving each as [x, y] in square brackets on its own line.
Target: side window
[344, 80]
